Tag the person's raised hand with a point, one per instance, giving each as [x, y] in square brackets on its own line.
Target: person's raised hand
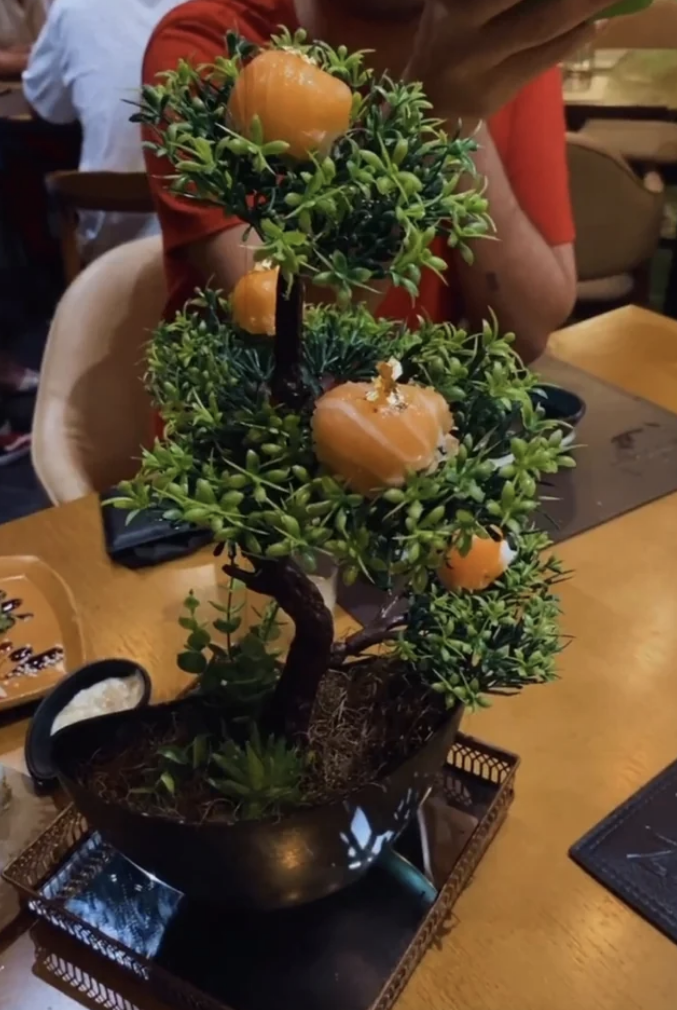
[473, 56]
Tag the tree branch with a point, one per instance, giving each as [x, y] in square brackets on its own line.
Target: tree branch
[286, 384]
[382, 629]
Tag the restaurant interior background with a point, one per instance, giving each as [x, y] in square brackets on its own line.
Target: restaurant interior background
[560, 913]
[597, 87]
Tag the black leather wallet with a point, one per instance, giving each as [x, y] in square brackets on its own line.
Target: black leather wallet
[148, 539]
[633, 851]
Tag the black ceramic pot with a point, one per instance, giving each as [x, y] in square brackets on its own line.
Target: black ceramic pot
[253, 864]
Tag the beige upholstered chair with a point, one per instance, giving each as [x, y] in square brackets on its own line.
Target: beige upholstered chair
[618, 220]
[92, 413]
[644, 141]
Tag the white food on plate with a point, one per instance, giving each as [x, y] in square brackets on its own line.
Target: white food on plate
[116, 694]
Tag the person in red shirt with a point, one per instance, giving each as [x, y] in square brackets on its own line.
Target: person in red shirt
[478, 60]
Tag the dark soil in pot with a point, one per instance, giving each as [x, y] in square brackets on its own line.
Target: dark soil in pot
[376, 747]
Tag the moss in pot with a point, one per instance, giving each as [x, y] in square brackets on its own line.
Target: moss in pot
[283, 776]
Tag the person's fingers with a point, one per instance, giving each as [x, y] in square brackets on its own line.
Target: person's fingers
[536, 23]
[529, 63]
[568, 13]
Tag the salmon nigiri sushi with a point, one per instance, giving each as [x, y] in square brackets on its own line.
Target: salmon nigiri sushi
[373, 433]
[254, 298]
[296, 102]
[485, 562]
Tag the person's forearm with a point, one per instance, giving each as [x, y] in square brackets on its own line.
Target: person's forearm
[13, 62]
[528, 285]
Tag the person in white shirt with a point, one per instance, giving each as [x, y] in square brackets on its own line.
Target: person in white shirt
[86, 66]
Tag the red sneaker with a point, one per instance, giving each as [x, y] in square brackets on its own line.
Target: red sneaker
[12, 444]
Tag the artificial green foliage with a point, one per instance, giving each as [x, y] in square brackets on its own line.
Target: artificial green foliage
[470, 645]
[252, 778]
[260, 777]
[369, 211]
[246, 467]
[238, 455]
[239, 671]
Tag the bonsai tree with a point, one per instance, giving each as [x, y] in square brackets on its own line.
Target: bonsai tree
[298, 424]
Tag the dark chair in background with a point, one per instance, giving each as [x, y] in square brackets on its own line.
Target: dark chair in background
[115, 192]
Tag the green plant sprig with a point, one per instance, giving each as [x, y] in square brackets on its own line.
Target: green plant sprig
[241, 672]
[260, 777]
[235, 674]
[470, 645]
[246, 468]
[257, 778]
[369, 211]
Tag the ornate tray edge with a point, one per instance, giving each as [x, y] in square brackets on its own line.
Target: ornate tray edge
[434, 923]
[178, 990]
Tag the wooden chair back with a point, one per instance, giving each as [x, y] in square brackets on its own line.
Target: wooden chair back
[115, 192]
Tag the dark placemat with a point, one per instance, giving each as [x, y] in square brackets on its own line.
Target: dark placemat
[633, 851]
[627, 455]
[352, 951]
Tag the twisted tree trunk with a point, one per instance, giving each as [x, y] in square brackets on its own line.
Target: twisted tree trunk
[312, 650]
[291, 705]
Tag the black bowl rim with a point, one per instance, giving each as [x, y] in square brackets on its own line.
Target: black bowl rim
[571, 419]
[294, 817]
[39, 734]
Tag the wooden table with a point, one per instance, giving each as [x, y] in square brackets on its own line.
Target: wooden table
[532, 932]
[626, 83]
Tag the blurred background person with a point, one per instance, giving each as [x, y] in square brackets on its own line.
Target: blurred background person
[20, 25]
[86, 67]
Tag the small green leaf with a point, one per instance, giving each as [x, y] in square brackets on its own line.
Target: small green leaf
[255, 767]
[274, 147]
[174, 754]
[204, 492]
[199, 639]
[279, 550]
[191, 602]
[256, 130]
[196, 515]
[394, 495]
[168, 782]
[350, 574]
[227, 626]
[192, 662]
